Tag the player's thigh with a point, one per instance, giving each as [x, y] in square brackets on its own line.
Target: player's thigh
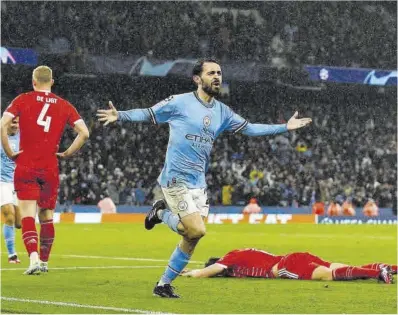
[334, 266]
[322, 273]
[25, 183]
[180, 200]
[49, 184]
[194, 225]
[7, 194]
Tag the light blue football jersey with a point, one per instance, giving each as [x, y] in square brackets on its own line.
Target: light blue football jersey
[8, 165]
[194, 126]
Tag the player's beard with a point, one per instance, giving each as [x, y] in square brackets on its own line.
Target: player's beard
[211, 90]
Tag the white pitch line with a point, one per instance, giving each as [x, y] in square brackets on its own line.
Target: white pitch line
[123, 258]
[349, 236]
[90, 267]
[97, 307]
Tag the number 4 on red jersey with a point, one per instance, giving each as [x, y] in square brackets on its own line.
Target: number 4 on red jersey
[42, 119]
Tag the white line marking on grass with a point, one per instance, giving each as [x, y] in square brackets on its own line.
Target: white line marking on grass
[349, 236]
[124, 258]
[90, 267]
[97, 307]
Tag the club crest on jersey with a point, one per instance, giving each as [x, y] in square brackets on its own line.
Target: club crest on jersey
[206, 121]
[182, 205]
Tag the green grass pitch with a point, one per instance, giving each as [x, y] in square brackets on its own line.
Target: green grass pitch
[112, 268]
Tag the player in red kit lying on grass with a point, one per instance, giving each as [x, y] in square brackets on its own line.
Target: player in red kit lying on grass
[254, 263]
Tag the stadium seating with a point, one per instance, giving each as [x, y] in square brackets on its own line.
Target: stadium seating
[282, 34]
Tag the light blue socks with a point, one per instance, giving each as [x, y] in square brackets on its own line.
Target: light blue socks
[170, 219]
[177, 263]
[9, 236]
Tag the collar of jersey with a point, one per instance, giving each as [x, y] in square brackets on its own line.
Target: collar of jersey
[208, 105]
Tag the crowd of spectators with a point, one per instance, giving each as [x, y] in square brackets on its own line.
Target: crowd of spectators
[281, 34]
[348, 152]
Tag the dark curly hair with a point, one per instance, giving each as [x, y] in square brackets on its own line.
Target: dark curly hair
[198, 67]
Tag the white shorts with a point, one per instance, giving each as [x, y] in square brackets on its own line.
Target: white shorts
[7, 194]
[183, 201]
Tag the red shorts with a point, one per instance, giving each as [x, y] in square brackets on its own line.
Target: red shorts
[37, 184]
[299, 266]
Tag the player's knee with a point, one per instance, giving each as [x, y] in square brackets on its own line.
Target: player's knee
[196, 233]
[45, 215]
[9, 219]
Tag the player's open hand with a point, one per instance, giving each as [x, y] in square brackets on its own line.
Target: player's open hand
[107, 115]
[14, 155]
[185, 272]
[296, 123]
[62, 155]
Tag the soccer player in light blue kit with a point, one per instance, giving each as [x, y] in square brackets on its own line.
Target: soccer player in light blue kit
[196, 119]
[8, 200]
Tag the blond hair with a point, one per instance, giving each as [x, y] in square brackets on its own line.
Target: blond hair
[43, 75]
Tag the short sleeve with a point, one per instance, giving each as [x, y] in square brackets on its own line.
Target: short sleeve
[73, 116]
[14, 108]
[230, 259]
[163, 111]
[232, 121]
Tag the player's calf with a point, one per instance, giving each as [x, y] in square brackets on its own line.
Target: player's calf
[9, 232]
[47, 235]
[355, 273]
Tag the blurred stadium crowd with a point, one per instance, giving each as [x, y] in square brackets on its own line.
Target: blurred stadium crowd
[276, 33]
[348, 152]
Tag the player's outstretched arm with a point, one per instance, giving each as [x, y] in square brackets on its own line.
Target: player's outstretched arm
[207, 272]
[264, 129]
[111, 115]
[5, 123]
[82, 136]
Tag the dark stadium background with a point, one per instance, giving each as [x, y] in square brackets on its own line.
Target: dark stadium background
[350, 149]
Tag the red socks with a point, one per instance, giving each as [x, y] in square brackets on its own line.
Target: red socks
[29, 234]
[352, 273]
[47, 234]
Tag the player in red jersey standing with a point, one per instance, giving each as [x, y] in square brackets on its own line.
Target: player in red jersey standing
[254, 263]
[42, 119]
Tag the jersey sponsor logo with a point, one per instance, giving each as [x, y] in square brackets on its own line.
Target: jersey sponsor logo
[182, 205]
[259, 218]
[197, 138]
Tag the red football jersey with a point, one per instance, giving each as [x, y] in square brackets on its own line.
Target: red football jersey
[249, 262]
[42, 119]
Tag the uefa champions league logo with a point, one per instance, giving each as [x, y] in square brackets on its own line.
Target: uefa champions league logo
[324, 74]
